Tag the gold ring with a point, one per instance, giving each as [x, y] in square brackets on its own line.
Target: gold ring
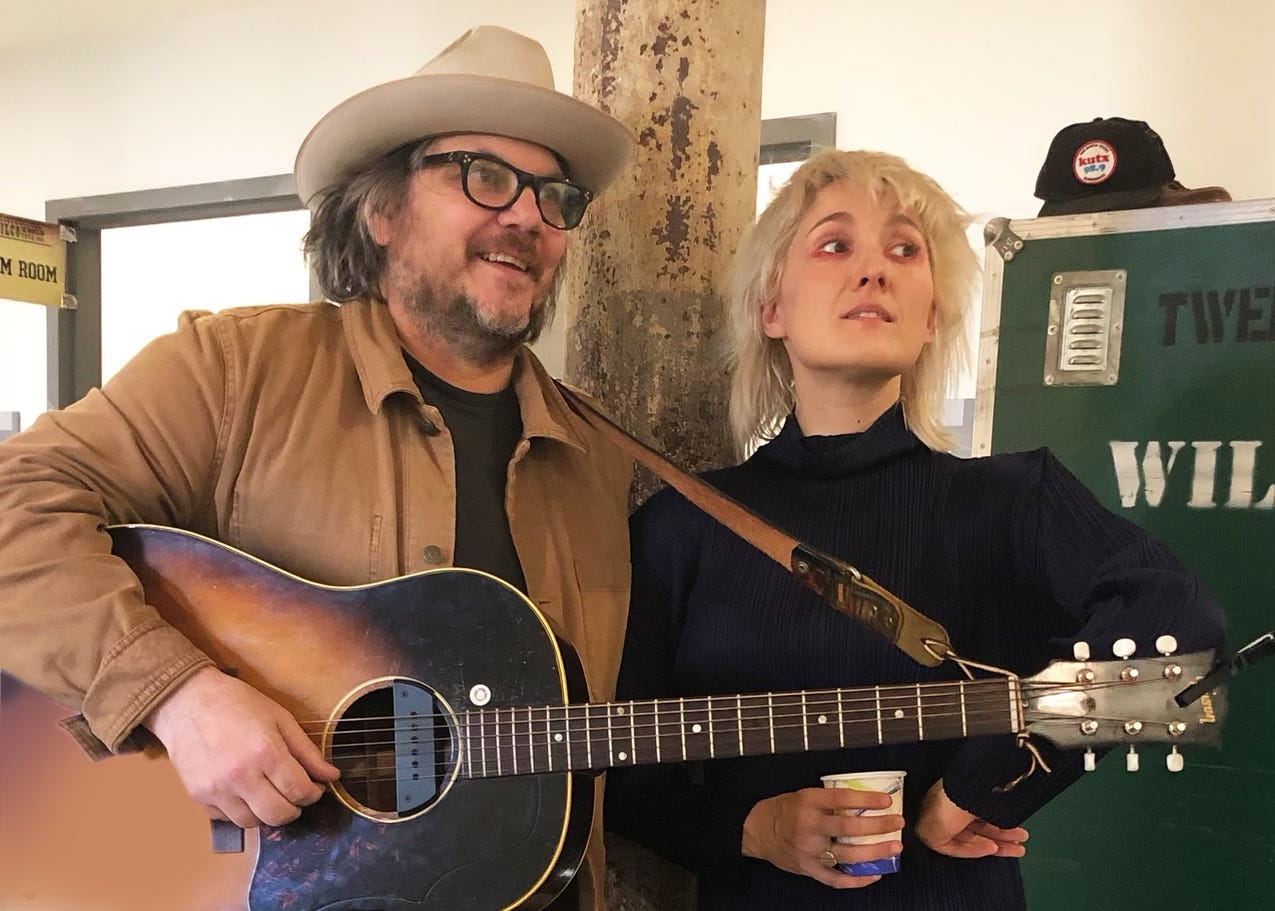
[827, 858]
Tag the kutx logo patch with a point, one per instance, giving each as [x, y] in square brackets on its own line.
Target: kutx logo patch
[1094, 162]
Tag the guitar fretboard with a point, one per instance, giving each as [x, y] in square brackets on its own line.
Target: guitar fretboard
[499, 742]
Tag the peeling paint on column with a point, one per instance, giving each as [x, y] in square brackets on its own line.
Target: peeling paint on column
[680, 113]
[642, 293]
[672, 233]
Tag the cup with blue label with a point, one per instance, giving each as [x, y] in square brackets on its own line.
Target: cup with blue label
[887, 783]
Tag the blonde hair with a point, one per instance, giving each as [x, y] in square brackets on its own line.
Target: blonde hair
[761, 375]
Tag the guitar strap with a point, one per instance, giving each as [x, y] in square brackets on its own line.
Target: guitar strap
[837, 582]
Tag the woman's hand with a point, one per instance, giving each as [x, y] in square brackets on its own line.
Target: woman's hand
[946, 828]
[796, 832]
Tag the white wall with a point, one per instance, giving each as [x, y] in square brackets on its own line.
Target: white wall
[971, 92]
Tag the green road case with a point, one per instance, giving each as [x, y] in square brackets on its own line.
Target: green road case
[1140, 347]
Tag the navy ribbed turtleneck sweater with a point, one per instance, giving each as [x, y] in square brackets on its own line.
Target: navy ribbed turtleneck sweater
[1011, 553]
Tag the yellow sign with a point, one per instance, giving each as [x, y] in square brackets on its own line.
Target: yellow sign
[32, 261]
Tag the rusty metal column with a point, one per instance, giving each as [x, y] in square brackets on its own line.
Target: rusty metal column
[644, 293]
[644, 285]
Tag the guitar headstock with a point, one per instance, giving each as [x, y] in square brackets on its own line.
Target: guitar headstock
[1082, 703]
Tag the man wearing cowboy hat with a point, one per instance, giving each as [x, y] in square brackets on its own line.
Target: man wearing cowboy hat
[407, 429]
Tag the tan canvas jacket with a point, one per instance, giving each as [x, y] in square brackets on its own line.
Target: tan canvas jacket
[296, 434]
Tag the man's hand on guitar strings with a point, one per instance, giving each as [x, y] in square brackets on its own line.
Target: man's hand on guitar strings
[239, 754]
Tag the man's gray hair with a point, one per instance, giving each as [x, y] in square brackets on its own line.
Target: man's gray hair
[346, 259]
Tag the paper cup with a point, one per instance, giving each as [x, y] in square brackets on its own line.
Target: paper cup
[888, 783]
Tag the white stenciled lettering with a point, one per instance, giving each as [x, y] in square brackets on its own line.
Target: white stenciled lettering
[1146, 476]
[1243, 469]
[1204, 481]
[1150, 480]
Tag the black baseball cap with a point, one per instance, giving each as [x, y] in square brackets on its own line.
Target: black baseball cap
[1111, 163]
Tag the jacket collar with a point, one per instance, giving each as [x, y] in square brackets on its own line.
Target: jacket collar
[378, 359]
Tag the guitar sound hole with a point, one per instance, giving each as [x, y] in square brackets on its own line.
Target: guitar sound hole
[394, 747]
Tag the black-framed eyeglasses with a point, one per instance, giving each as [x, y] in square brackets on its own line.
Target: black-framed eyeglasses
[495, 184]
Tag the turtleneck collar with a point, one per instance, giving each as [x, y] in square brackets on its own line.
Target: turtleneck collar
[833, 456]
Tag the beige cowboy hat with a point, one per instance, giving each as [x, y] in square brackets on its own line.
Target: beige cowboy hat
[489, 80]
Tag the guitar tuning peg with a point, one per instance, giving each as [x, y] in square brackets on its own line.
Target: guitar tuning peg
[1081, 651]
[1131, 760]
[1091, 760]
[1123, 648]
[1166, 645]
[1174, 760]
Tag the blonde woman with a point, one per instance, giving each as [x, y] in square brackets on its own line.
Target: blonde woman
[847, 306]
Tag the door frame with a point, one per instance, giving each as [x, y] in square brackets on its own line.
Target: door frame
[74, 337]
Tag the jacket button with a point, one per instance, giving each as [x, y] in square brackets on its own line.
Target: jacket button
[433, 554]
[428, 427]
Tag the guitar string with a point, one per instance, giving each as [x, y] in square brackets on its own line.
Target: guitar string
[905, 695]
[523, 732]
[902, 696]
[639, 710]
[508, 743]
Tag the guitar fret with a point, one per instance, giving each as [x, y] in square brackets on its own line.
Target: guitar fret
[500, 744]
[633, 733]
[805, 726]
[623, 755]
[531, 743]
[548, 740]
[588, 738]
[920, 728]
[712, 746]
[513, 738]
[964, 726]
[739, 717]
[655, 716]
[566, 735]
[482, 733]
[841, 718]
[697, 741]
[681, 724]
[610, 741]
[669, 742]
[789, 731]
[770, 707]
[559, 738]
[880, 735]
[897, 707]
[469, 744]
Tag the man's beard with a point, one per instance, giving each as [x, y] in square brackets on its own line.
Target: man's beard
[476, 336]
[457, 319]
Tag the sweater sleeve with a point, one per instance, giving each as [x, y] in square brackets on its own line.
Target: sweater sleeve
[1082, 574]
[665, 807]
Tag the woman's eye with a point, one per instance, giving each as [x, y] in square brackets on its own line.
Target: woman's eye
[834, 246]
[906, 249]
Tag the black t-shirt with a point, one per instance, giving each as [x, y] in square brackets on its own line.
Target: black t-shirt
[485, 428]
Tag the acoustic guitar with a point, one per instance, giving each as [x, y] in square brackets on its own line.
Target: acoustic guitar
[454, 713]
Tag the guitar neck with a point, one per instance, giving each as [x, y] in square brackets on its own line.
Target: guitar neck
[499, 742]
